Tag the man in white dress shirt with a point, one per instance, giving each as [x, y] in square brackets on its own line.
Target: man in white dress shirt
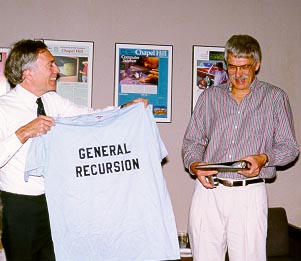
[31, 70]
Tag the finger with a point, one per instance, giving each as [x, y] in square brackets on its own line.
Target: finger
[145, 101]
[249, 174]
[49, 121]
[42, 128]
[205, 182]
[46, 118]
[205, 172]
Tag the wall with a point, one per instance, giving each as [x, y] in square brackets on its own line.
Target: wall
[275, 23]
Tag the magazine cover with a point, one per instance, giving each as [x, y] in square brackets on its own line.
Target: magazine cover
[75, 61]
[144, 71]
[209, 69]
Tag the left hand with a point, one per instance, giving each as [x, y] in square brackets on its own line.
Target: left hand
[256, 164]
[145, 101]
[202, 174]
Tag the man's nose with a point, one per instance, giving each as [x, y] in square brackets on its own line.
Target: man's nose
[239, 70]
[56, 69]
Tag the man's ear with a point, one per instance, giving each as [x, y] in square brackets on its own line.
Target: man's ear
[26, 74]
[257, 66]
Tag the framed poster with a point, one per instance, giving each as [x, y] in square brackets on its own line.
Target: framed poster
[209, 69]
[4, 85]
[145, 71]
[75, 61]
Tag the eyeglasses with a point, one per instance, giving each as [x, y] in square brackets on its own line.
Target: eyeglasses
[245, 67]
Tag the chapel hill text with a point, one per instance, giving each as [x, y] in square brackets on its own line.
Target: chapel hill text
[108, 167]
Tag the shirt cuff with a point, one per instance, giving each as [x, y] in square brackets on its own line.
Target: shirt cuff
[190, 169]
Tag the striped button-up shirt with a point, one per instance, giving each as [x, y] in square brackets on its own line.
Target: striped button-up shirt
[221, 130]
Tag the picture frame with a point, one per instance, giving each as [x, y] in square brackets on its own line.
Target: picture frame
[209, 69]
[4, 84]
[144, 71]
[75, 61]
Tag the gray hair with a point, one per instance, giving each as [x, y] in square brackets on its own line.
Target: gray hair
[22, 56]
[243, 46]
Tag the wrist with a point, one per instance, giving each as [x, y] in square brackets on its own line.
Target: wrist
[22, 135]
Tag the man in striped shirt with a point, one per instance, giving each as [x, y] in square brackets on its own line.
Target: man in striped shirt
[245, 119]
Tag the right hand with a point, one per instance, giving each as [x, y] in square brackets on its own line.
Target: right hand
[145, 101]
[37, 127]
[202, 174]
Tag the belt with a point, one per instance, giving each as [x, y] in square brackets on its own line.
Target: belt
[238, 183]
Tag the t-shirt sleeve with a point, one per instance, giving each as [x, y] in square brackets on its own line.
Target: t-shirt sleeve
[162, 151]
[36, 158]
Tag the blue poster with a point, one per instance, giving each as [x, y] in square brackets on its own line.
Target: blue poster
[144, 71]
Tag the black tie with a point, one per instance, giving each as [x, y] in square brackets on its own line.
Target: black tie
[40, 110]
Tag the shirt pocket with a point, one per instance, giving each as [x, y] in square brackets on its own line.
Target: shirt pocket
[254, 124]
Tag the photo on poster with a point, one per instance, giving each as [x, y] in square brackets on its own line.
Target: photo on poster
[75, 61]
[4, 85]
[209, 69]
[145, 71]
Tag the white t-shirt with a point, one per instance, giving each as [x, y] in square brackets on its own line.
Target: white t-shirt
[105, 189]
